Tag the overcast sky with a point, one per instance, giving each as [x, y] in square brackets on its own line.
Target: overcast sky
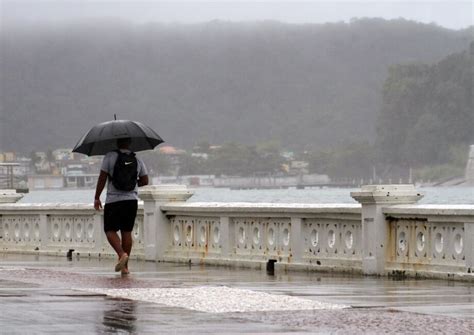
[449, 14]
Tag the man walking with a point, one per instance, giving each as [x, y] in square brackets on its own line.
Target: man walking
[124, 173]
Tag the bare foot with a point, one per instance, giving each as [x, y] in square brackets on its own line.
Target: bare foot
[122, 263]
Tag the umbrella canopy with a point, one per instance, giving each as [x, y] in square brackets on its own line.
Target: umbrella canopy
[103, 137]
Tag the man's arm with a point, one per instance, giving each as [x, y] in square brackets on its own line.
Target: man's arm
[99, 188]
[142, 180]
[143, 175]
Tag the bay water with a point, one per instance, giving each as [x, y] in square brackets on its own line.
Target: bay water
[432, 195]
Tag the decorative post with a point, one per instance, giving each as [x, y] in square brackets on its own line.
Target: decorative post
[157, 230]
[374, 226]
[99, 238]
[43, 231]
[9, 196]
[469, 245]
[227, 237]
[297, 248]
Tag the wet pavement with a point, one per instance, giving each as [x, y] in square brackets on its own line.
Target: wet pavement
[40, 295]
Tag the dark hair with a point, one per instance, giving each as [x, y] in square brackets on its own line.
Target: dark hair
[124, 142]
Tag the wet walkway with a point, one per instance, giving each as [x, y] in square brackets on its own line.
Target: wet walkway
[42, 295]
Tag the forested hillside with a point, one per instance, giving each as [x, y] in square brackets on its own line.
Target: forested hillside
[306, 86]
[427, 113]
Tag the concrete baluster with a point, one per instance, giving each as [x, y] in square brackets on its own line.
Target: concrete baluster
[469, 245]
[227, 237]
[374, 226]
[100, 241]
[43, 232]
[157, 229]
[296, 238]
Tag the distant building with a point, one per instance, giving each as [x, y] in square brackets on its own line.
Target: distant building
[42, 166]
[170, 150]
[191, 180]
[299, 167]
[7, 157]
[63, 154]
[76, 176]
[288, 155]
[202, 155]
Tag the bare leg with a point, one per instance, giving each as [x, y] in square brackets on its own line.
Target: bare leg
[114, 241]
[127, 242]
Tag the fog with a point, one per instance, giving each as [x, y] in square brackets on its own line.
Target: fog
[344, 86]
[449, 14]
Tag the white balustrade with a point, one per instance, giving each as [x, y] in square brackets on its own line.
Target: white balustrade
[57, 228]
[428, 239]
[336, 240]
[138, 234]
[21, 229]
[386, 234]
[294, 235]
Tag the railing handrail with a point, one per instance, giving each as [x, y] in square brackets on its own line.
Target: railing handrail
[43, 207]
[429, 210]
[248, 207]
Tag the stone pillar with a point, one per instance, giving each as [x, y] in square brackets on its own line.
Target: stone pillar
[157, 230]
[227, 237]
[43, 231]
[9, 196]
[469, 245]
[98, 234]
[297, 247]
[374, 226]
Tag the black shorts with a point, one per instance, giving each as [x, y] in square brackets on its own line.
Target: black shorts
[120, 215]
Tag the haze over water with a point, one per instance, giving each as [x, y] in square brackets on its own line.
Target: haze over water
[433, 195]
[170, 64]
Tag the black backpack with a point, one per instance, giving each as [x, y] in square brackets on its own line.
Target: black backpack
[125, 171]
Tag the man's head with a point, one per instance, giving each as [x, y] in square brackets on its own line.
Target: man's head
[124, 143]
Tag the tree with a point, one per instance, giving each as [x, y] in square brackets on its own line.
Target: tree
[156, 162]
[349, 160]
[244, 160]
[427, 109]
[193, 166]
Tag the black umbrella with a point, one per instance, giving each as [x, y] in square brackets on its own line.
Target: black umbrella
[103, 137]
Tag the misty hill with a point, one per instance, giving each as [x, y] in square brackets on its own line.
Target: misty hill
[304, 85]
[427, 112]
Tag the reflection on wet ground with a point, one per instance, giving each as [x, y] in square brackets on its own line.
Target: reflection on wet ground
[120, 314]
[48, 295]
